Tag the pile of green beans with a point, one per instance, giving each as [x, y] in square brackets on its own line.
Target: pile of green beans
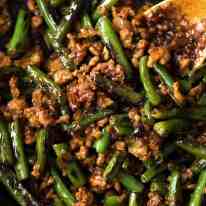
[133, 144]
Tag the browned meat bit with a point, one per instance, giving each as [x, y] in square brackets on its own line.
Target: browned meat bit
[13, 83]
[29, 135]
[120, 23]
[134, 116]
[16, 107]
[123, 12]
[177, 93]
[184, 63]
[33, 58]
[115, 72]
[47, 181]
[38, 116]
[4, 60]
[126, 37]
[139, 52]
[120, 146]
[154, 199]
[5, 21]
[97, 181]
[100, 160]
[92, 133]
[158, 54]
[96, 48]
[41, 99]
[36, 170]
[154, 142]
[31, 5]
[81, 93]
[139, 149]
[36, 22]
[76, 142]
[84, 197]
[103, 101]
[63, 76]
[197, 90]
[78, 50]
[55, 64]
[106, 54]
[82, 153]
[88, 33]
[93, 61]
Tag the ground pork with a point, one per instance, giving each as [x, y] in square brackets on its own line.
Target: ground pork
[110, 69]
[38, 116]
[16, 107]
[4, 60]
[154, 199]
[35, 57]
[84, 197]
[97, 181]
[81, 93]
[13, 83]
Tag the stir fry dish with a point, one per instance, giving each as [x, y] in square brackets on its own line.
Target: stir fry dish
[101, 104]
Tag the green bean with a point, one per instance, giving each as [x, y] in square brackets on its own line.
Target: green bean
[197, 166]
[134, 199]
[48, 85]
[108, 4]
[21, 164]
[174, 191]
[171, 126]
[60, 50]
[41, 137]
[147, 110]
[197, 113]
[152, 172]
[48, 18]
[86, 21]
[198, 151]
[196, 196]
[60, 150]
[56, 3]
[20, 33]
[131, 183]
[87, 120]
[150, 89]
[125, 93]
[164, 74]
[122, 124]
[72, 169]
[111, 40]
[167, 114]
[101, 145]
[15, 188]
[6, 154]
[58, 202]
[67, 20]
[75, 175]
[112, 200]
[61, 190]
[113, 166]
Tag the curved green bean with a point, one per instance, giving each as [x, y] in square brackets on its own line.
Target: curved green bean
[196, 197]
[21, 164]
[150, 89]
[111, 40]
